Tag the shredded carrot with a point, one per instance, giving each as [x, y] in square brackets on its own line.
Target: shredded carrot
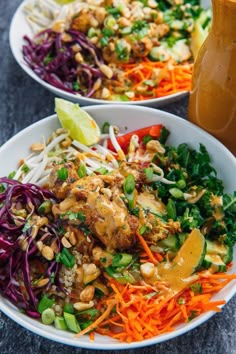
[171, 78]
[99, 320]
[142, 314]
[146, 248]
[159, 257]
[91, 336]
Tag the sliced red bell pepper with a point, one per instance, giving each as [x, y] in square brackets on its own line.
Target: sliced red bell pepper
[124, 140]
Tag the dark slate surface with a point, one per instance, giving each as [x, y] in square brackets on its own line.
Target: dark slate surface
[23, 102]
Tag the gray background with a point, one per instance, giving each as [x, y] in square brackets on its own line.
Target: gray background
[22, 102]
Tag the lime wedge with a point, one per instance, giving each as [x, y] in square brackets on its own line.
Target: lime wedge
[81, 125]
[63, 2]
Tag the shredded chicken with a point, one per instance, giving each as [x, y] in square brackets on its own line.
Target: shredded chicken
[102, 202]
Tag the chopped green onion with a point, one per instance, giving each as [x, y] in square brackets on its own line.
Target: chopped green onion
[69, 308]
[66, 258]
[82, 171]
[25, 168]
[12, 175]
[105, 128]
[139, 26]
[104, 41]
[74, 216]
[86, 231]
[151, 295]
[85, 324]
[142, 33]
[181, 184]
[108, 32]
[48, 58]
[129, 184]
[45, 207]
[60, 323]
[48, 316]
[176, 193]
[196, 288]
[181, 301]
[129, 188]
[113, 10]
[126, 30]
[171, 209]
[143, 229]
[45, 303]
[171, 41]
[76, 86]
[122, 51]
[62, 173]
[52, 278]
[102, 170]
[91, 32]
[150, 83]
[135, 211]
[117, 97]
[193, 314]
[71, 322]
[121, 260]
[130, 199]
[109, 21]
[2, 188]
[121, 6]
[123, 278]
[27, 226]
[89, 312]
[87, 317]
[77, 216]
[144, 2]
[149, 173]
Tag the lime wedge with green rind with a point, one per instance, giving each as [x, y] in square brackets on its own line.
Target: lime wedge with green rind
[80, 124]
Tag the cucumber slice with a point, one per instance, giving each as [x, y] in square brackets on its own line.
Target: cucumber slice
[215, 247]
[150, 203]
[60, 323]
[192, 252]
[71, 322]
[182, 238]
[178, 272]
[214, 262]
[170, 243]
[155, 54]
[171, 255]
[220, 249]
[229, 255]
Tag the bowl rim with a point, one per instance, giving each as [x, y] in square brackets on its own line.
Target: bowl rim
[158, 101]
[12, 312]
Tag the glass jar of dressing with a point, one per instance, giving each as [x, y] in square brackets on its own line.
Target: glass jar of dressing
[212, 102]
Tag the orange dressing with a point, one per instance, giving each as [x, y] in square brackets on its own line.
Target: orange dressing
[212, 104]
[179, 272]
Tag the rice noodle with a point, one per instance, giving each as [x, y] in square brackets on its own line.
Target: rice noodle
[160, 177]
[95, 157]
[116, 144]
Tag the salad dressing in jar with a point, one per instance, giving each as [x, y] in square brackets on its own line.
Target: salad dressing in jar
[212, 104]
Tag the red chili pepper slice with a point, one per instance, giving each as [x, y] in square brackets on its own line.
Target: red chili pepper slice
[124, 140]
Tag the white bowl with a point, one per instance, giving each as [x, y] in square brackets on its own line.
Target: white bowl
[132, 117]
[19, 27]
